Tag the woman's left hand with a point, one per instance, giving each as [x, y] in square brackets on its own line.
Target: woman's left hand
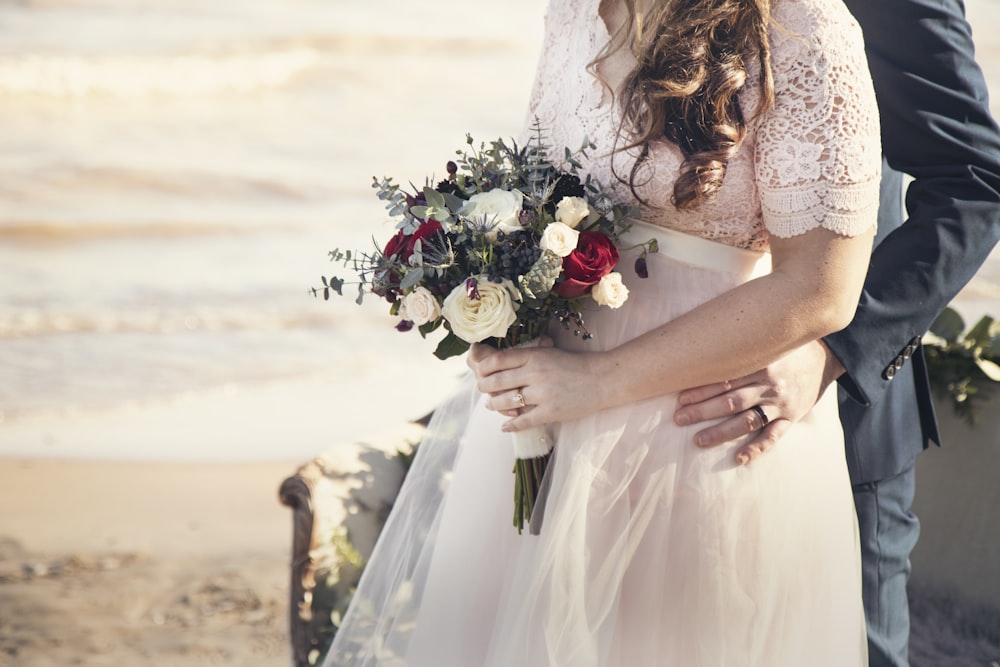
[536, 386]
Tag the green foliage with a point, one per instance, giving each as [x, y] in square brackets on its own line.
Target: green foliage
[450, 346]
[538, 281]
[336, 585]
[334, 590]
[963, 365]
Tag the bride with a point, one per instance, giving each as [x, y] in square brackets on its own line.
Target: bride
[747, 132]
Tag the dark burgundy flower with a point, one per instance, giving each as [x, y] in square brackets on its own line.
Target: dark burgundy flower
[446, 187]
[641, 269]
[472, 289]
[568, 185]
[416, 200]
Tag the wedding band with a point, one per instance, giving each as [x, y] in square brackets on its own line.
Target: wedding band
[519, 399]
[760, 413]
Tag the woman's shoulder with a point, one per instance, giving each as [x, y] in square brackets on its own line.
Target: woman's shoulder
[814, 14]
[817, 26]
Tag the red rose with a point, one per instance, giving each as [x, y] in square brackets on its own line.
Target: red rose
[595, 256]
[402, 244]
[395, 244]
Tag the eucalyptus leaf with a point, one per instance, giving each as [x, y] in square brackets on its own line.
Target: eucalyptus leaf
[412, 277]
[361, 295]
[434, 198]
[452, 202]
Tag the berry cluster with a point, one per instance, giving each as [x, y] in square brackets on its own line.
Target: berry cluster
[513, 256]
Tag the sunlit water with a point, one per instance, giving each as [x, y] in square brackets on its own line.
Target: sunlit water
[172, 174]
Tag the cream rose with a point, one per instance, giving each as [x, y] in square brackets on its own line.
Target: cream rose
[497, 207]
[571, 210]
[610, 291]
[420, 307]
[474, 320]
[559, 238]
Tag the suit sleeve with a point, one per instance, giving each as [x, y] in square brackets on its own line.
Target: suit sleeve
[936, 127]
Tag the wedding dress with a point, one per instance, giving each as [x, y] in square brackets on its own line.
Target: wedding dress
[652, 552]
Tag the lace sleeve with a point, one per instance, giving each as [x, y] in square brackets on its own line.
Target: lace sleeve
[818, 152]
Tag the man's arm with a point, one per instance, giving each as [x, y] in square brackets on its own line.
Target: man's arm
[936, 126]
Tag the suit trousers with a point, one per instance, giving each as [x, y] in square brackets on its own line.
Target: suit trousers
[889, 532]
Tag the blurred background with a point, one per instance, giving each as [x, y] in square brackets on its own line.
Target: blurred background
[172, 175]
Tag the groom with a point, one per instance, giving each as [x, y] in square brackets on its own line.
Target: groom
[936, 127]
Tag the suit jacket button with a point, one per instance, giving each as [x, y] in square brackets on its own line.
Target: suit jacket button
[890, 372]
[898, 363]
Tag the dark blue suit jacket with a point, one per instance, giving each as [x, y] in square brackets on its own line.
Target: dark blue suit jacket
[936, 127]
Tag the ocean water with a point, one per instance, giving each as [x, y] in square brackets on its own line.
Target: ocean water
[172, 175]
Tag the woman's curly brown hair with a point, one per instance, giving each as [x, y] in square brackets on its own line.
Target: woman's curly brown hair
[691, 64]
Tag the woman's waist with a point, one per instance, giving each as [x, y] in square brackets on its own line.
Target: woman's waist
[696, 251]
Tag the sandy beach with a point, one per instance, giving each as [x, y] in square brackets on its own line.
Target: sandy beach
[169, 564]
[106, 564]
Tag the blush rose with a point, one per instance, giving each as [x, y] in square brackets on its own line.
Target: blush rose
[420, 307]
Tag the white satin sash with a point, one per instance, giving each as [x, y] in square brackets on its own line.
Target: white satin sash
[696, 251]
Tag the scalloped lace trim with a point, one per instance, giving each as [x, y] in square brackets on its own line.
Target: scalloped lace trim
[796, 169]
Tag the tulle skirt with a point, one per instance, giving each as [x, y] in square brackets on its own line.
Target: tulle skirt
[653, 552]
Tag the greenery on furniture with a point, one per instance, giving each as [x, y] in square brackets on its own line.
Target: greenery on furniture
[963, 365]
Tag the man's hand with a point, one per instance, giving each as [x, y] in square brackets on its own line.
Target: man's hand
[768, 401]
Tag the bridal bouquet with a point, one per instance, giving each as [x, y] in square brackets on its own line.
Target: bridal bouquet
[507, 244]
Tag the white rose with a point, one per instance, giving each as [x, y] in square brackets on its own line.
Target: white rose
[474, 320]
[420, 307]
[559, 238]
[610, 291]
[571, 210]
[499, 208]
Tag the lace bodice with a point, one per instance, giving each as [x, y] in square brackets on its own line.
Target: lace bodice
[811, 161]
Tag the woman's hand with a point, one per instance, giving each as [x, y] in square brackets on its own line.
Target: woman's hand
[536, 386]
